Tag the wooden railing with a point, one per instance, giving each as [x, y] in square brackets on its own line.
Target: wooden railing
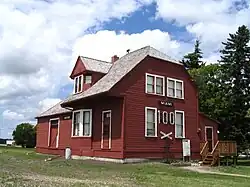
[204, 149]
[221, 148]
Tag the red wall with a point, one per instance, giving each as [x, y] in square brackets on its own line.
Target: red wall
[86, 146]
[133, 86]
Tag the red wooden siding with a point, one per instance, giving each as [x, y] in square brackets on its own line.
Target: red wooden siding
[78, 69]
[133, 86]
[86, 146]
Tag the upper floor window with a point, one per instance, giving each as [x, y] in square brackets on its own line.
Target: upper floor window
[78, 84]
[175, 88]
[87, 79]
[155, 84]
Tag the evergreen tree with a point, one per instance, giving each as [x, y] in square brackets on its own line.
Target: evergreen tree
[235, 66]
[193, 60]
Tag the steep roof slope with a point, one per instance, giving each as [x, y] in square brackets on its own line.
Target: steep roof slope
[56, 109]
[96, 65]
[120, 68]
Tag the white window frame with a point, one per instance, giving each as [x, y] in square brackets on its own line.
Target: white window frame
[156, 119]
[183, 114]
[58, 130]
[175, 80]
[78, 84]
[155, 76]
[81, 123]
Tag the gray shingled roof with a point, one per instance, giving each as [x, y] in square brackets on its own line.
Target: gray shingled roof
[56, 109]
[96, 65]
[119, 69]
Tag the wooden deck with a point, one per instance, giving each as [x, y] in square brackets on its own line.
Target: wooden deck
[220, 150]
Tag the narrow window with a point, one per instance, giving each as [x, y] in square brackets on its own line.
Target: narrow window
[150, 84]
[179, 91]
[151, 122]
[179, 124]
[76, 124]
[159, 86]
[86, 123]
[171, 88]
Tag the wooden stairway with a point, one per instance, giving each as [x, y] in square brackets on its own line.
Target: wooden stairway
[221, 148]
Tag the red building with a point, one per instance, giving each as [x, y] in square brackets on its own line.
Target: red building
[143, 105]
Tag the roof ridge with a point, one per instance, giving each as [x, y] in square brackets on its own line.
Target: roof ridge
[96, 59]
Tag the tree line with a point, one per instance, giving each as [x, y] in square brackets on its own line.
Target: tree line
[224, 86]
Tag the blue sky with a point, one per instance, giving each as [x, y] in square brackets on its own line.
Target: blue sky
[40, 41]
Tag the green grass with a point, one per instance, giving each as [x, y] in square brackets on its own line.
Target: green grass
[23, 167]
[242, 167]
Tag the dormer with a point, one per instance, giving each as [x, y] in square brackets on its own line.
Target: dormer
[87, 71]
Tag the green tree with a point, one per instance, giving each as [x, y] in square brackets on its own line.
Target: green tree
[25, 135]
[235, 66]
[193, 60]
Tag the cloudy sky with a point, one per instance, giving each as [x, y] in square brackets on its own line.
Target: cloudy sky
[41, 39]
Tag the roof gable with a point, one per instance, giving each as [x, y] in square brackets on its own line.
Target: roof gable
[119, 69]
[78, 68]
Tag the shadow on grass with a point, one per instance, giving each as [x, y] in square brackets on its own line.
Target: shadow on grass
[243, 162]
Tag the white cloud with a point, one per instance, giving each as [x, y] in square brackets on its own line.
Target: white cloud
[109, 43]
[47, 103]
[10, 115]
[210, 21]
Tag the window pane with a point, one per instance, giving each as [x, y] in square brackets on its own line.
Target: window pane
[171, 92]
[159, 85]
[179, 118]
[150, 80]
[54, 122]
[170, 83]
[179, 85]
[76, 124]
[179, 124]
[150, 122]
[88, 79]
[79, 83]
[86, 123]
[150, 116]
[179, 93]
[159, 81]
[150, 89]
[76, 84]
[179, 130]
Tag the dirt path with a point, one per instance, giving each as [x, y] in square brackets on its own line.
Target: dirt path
[209, 170]
[70, 181]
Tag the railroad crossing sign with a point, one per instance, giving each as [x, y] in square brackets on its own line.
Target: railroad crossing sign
[166, 135]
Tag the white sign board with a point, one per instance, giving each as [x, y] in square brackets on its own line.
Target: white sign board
[186, 147]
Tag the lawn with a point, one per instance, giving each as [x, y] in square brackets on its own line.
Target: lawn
[242, 167]
[23, 167]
